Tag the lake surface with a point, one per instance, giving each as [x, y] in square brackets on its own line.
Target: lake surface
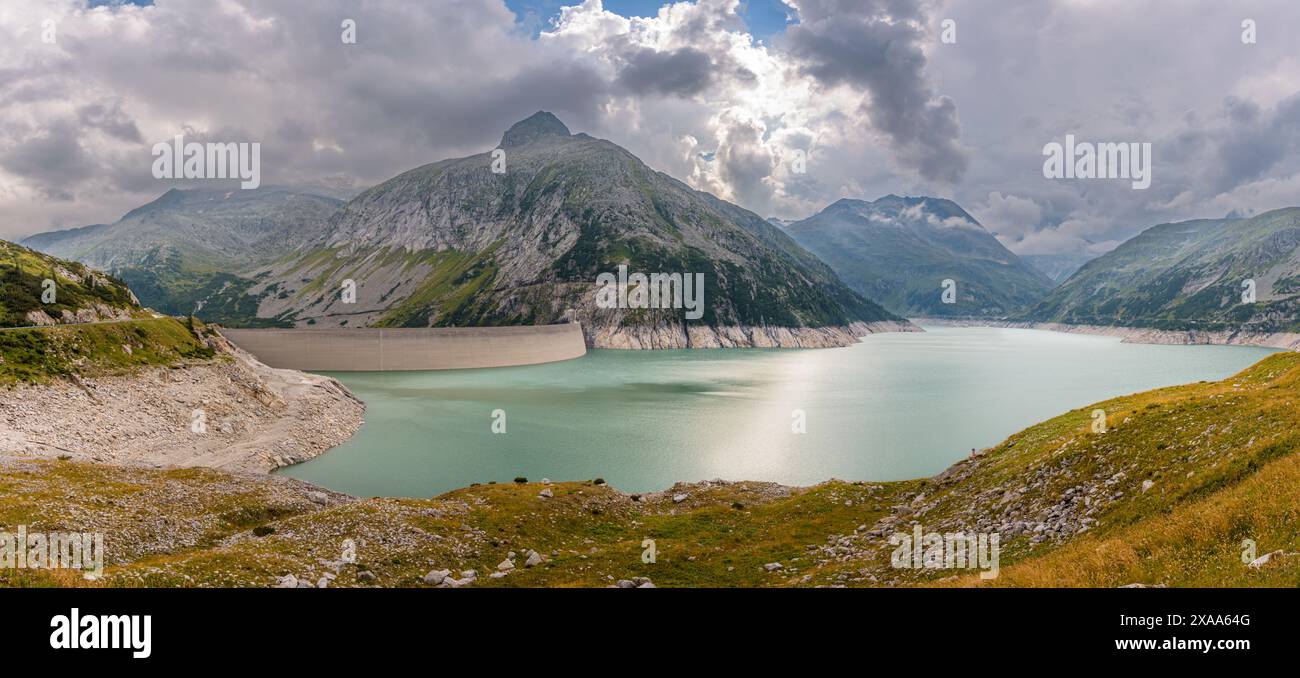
[895, 406]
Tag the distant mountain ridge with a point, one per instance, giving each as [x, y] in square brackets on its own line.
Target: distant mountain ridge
[454, 243]
[1060, 266]
[1190, 275]
[187, 250]
[900, 250]
[217, 227]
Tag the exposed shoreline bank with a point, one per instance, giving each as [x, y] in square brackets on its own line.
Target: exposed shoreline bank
[419, 349]
[1139, 335]
[741, 336]
[232, 413]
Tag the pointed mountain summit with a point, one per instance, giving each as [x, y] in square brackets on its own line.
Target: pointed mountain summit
[453, 244]
[536, 126]
[900, 250]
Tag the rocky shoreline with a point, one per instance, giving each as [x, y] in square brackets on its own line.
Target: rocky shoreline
[743, 336]
[1139, 335]
[231, 413]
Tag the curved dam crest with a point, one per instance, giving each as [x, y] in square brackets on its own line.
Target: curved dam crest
[365, 349]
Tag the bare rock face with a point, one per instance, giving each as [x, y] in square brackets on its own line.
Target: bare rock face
[197, 239]
[39, 317]
[521, 236]
[87, 314]
[739, 336]
[95, 313]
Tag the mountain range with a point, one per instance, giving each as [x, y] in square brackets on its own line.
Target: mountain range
[188, 250]
[899, 251]
[38, 289]
[1190, 275]
[519, 235]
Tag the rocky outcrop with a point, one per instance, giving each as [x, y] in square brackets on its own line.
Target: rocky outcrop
[93, 313]
[41, 290]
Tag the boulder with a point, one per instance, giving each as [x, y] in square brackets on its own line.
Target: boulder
[1265, 559]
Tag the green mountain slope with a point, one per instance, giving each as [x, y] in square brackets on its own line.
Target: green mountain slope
[1190, 275]
[899, 251]
[453, 243]
[77, 293]
[187, 251]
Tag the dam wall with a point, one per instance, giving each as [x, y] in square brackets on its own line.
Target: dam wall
[365, 349]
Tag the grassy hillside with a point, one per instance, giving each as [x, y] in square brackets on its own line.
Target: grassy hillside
[78, 288]
[34, 355]
[1165, 496]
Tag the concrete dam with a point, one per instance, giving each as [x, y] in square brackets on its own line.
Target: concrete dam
[366, 349]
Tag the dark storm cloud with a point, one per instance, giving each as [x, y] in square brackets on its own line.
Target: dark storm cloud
[1243, 143]
[1215, 110]
[458, 121]
[746, 164]
[53, 160]
[110, 120]
[1255, 140]
[683, 72]
[861, 85]
[875, 46]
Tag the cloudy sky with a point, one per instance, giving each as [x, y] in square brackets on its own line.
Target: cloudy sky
[722, 94]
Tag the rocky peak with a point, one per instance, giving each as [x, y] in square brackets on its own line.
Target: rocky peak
[538, 125]
[847, 205]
